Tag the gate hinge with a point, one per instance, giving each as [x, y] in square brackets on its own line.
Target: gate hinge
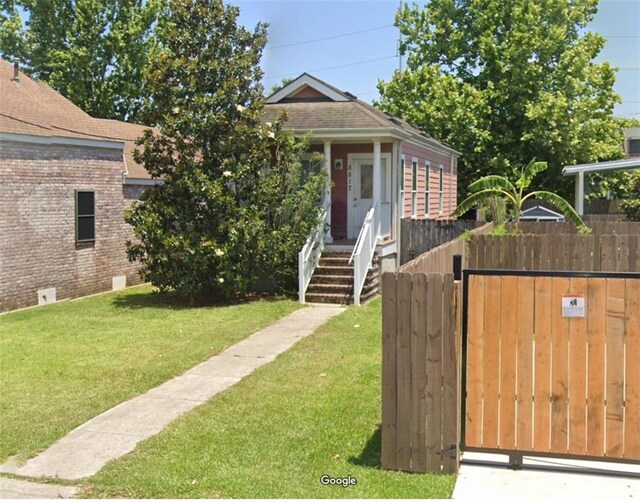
[451, 451]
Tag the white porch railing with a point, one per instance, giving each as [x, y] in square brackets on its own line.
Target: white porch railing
[362, 255]
[309, 256]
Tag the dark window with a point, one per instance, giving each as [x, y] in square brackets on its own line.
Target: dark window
[414, 172]
[85, 216]
[634, 147]
[427, 182]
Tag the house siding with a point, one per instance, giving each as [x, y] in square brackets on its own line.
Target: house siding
[37, 203]
[308, 92]
[450, 180]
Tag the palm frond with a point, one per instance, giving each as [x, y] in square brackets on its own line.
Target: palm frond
[492, 182]
[562, 205]
[476, 198]
[529, 173]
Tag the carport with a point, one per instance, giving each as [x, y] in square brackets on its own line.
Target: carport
[579, 170]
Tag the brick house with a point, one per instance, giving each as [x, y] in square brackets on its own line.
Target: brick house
[65, 179]
[382, 169]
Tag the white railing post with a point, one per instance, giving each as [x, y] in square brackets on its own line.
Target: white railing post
[307, 259]
[362, 255]
[301, 288]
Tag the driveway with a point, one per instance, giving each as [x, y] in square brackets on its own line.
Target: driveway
[488, 477]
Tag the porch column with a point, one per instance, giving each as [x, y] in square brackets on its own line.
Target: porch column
[327, 194]
[376, 188]
[580, 193]
[395, 166]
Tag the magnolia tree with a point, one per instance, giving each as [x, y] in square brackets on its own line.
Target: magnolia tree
[234, 202]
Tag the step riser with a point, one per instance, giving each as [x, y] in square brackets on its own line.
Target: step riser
[333, 271]
[323, 289]
[326, 299]
[332, 280]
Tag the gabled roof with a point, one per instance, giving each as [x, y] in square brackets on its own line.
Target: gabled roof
[541, 213]
[314, 105]
[30, 108]
[306, 80]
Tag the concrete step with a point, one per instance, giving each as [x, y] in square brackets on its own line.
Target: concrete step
[334, 270]
[329, 298]
[335, 261]
[329, 279]
[337, 253]
[369, 285]
[330, 288]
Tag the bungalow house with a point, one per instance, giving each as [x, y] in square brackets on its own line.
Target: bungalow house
[65, 179]
[382, 170]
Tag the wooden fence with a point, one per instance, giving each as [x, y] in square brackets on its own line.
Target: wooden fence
[420, 236]
[420, 373]
[538, 381]
[555, 252]
[598, 227]
[440, 259]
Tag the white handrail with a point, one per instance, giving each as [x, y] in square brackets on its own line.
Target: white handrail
[309, 256]
[362, 255]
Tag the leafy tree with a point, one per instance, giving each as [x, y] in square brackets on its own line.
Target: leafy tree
[503, 81]
[496, 185]
[93, 52]
[234, 201]
[620, 185]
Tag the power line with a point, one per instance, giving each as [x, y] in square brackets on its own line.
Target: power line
[332, 67]
[329, 38]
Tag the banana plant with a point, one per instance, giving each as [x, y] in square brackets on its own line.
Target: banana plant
[495, 185]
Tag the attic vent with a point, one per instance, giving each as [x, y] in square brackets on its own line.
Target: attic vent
[352, 96]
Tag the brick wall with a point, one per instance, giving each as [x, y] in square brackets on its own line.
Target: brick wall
[37, 222]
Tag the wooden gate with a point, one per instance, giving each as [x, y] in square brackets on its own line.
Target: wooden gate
[552, 364]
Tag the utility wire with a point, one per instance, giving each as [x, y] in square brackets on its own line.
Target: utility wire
[328, 38]
[332, 67]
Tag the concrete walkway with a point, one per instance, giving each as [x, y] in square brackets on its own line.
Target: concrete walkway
[544, 479]
[22, 489]
[85, 450]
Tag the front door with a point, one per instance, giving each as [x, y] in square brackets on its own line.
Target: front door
[361, 194]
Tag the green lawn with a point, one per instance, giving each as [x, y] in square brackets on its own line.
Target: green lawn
[63, 364]
[315, 410]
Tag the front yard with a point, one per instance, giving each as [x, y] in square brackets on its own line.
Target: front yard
[63, 364]
[314, 411]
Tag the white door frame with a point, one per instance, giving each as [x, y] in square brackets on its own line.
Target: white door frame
[351, 159]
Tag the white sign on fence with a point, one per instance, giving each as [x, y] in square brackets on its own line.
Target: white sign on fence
[573, 306]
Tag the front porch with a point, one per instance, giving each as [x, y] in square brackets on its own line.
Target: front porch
[357, 236]
[363, 176]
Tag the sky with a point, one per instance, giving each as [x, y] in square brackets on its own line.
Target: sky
[358, 43]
